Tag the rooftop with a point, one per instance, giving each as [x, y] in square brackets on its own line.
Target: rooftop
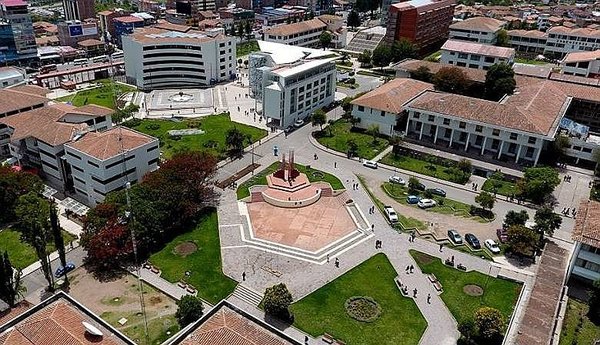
[225, 324]
[284, 53]
[587, 223]
[156, 35]
[13, 99]
[478, 48]
[110, 143]
[286, 71]
[128, 19]
[528, 33]
[296, 28]
[392, 95]
[411, 65]
[424, 5]
[90, 42]
[582, 56]
[10, 72]
[484, 24]
[59, 320]
[537, 71]
[586, 32]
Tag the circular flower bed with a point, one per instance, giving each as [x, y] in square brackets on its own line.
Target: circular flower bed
[473, 290]
[362, 308]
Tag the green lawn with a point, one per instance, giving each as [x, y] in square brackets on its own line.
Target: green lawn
[586, 333]
[341, 131]
[213, 139]
[505, 188]
[348, 86]
[444, 205]
[313, 175]
[204, 264]
[323, 311]
[246, 48]
[404, 223]
[443, 172]
[530, 61]
[100, 96]
[498, 293]
[22, 254]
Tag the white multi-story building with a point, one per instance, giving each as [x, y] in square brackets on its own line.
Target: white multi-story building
[584, 64]
[475, 55]
[563, 40]
[291, 81]
[10, 76]
[335, 26]
[102, 162]
[383, 106]
[303, 34]
[528, 41]
[585, 262]
[157, 58]
[477, 29]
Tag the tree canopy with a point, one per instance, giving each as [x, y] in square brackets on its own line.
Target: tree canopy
[546, 221]
[594, 295]
[382, 56]
[235, 141]
[499, 81]
[522, 240]
[277, 301]
[538, 183]
[365, 57]
[515, 218]
[189, 309]
[423, 73]
[485, 200]
[13, 184]
[451, 79]
[490, 323]
[353, 19]
[318, 118]
[325, 39]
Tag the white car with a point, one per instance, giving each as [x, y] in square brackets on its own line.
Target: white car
[298, 123]
[370, 164]
[397, 179]
[426, 203]
[492, 246]
[390, 214]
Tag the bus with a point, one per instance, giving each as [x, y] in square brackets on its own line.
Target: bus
[47, 69]
[117, 55]
[80, 62]
[101, 58]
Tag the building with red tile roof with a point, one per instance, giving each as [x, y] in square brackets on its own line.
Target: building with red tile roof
[586, 235]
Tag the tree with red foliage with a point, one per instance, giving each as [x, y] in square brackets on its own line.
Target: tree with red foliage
[109, 249]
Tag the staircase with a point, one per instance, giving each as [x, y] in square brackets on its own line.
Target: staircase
[365, 40]
[247, 295]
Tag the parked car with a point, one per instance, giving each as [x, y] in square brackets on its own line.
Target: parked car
[390, 214]
[298, 123]
[397, 179]
[454, 236]
[437, 191]
[288, 129]
[60, 271]
[370, 164]
[412, 199]
[426, 203]
[502, 235]
[420, 186]
[492, 246]
[473, 241]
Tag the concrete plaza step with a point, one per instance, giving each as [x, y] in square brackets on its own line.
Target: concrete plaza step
[247, 295]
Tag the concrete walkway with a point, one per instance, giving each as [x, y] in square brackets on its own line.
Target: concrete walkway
[161, 284]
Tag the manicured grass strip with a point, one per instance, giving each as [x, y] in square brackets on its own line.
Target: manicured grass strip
[498, 293]
[204, 264]
[404, 223]
[215, 128]
[313, 175]
[323, 311]
[444, 205]
[423, 167]
[577, 327]
[246, 48]
[20, 253]
[530, 61]
[501, 187]
[336, 137]
[100, 96]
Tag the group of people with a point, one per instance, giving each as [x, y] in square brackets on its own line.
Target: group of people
[474, 186]
[567, 178]
[568, 210]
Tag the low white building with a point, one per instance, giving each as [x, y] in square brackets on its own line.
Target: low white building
[563, 40]
[303, 34]
[157, 58]
[482, 30]
[528, 41]
[291, 81]
[102, 162]
[383, 106]
[585, 262]
[583, 64]
[10, 76]
[475, 55]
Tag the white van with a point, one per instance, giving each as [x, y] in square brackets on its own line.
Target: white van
[80, 62]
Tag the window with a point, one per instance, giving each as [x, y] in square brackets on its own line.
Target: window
[479, 140]
[489, 59]
[478, 128]
[418, 126]
[382, 112]
[462, 125]
[93, 164]
[152, 148]
[361, 108]
[529, 152]
[431, 118]
[577, 148]
[416, 115]
[447, 133]
[463, 137]
[512, 148]
[446, 122]
[495, 144]
[532, 140]
[496, 132]
[153, 161]
[513, 136]
[586, 150]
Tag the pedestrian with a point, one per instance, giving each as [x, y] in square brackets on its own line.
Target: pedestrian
[373, 227]
[243, 276]
[407, 269]
[412, 268]
[306, 340]
[327, 257]
[428, 298]
[415, 293]
[337, 263]
[441, 247]
[567, 212]
[334, 165]
[377, 244]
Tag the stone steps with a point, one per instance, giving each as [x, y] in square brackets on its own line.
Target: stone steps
[247, 295]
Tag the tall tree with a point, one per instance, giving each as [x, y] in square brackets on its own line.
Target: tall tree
[490, 323]
[499, 81]
[382, 56]
[189, 309]
[248, 29]
[235, 141]
[59, 241]
[538, 183]
[451, 79]
[33, 213]
[423, 73]
[318, 118]
[403, 49]
[325, 39]
[485, 200]
[277, 301]
[594, 301]
[522, 240]
[13, 184]
[353, 19]
[502, 38]
[515, 218]
[365, 58]
[240, 30]
[10, 281]
[546, 222]
[109, 248]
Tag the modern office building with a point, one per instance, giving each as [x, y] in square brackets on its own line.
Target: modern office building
[585, 262]
[70, 33]
[425, 23]
[482, 30]
[125, 25]
[385, 10]
[584, 64]
[304, 34]
[475, 55]
[79, 9]
[17, 37]
[291, 81]
[102, 162]
[157, 58]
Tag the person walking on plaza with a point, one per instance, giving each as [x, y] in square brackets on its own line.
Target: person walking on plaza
[337, 263]
[412, 268]
[428, 298]
[415, 293]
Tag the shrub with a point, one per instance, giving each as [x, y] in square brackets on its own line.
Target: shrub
[351, 81]
[351, 73]
[153, 126]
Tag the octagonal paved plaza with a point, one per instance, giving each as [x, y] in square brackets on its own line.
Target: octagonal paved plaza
[309, 228]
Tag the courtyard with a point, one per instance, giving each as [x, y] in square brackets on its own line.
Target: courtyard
[104, 94]
[118, 303]
[184, 103]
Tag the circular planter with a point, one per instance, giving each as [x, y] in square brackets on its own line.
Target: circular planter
[362, 308]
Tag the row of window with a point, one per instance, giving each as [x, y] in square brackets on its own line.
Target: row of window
[588, 265]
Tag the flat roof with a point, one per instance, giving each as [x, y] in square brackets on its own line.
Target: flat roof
[478, 48]
[10, 72]
[284, 53]
[287, 71]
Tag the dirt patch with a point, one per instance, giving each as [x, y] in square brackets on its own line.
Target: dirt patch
[473, 290]
[423, 258]
[186, 248]
[155, 300]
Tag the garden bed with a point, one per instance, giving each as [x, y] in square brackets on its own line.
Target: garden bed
[426, 164]
[337, 135]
